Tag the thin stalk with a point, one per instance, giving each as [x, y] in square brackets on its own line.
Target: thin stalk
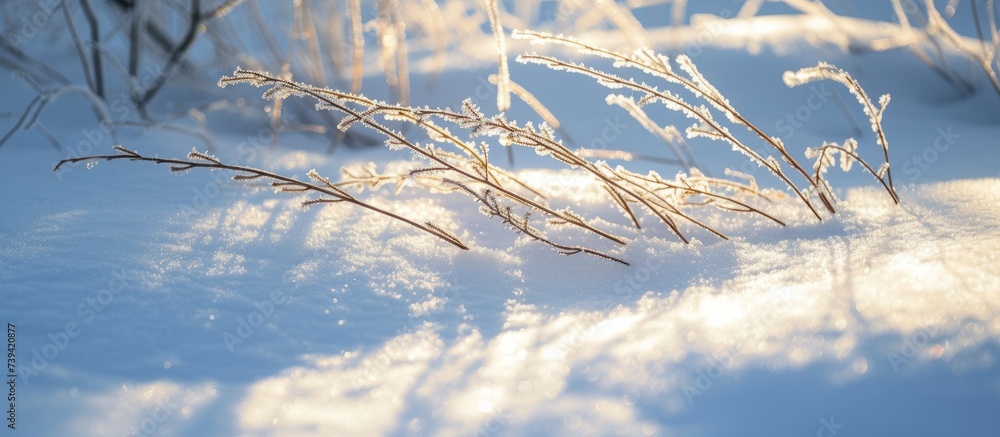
[79, 49]
[95, 38]
[283, 182]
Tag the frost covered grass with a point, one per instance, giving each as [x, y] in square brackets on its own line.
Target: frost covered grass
[455, 162]
[244, 313]
[125, 54]
[938, 41]
[329, 192]
[959, 46]
[144, 64]
[705, 125]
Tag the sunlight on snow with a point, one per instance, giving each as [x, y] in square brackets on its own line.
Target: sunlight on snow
[241, 236]
[391, 255]
[143, 408]
[811, 298]
[343, 394]
[767, 316]
[565, 185]
[228, 229]
[782, 33]
[226, 233]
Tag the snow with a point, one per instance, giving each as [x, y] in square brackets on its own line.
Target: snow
[188, 305]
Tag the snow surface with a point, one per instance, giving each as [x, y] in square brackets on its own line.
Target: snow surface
[253, 316]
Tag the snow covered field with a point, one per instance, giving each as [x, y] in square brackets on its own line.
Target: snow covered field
[149, 303]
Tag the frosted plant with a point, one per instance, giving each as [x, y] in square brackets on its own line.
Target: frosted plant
[357, 45]
[491, 207]
[394, 48]
[131, 53]
[29, 118]
[329, 193]
[706, 125]
[468, 163]
[459, 160]
[536, 105]
[668, 134]
[848, 151]
[660, 67]
[503, 79]
[366, 176]
[927, 25]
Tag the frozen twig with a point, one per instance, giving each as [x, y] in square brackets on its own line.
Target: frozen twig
[329, 193]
